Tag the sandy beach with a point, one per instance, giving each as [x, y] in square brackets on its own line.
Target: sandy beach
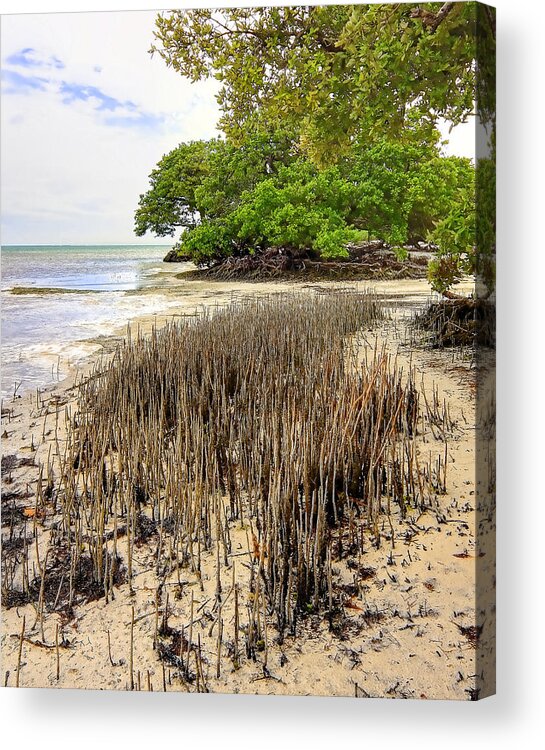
[410, 624]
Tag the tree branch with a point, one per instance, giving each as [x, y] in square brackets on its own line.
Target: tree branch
[432, 20]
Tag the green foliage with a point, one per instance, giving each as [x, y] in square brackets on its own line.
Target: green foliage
[294, 209]
[207, 242]
[231, 170]
[390, 191]
[455, 232]
[299, 209]
[330, 116]
[403, 191]
[171, 201]
[485, 178]
[332, 72]
[452, 194]
[455, 236]
[204, 180]
[331, 243]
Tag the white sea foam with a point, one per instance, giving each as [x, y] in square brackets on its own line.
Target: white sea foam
[46, 332]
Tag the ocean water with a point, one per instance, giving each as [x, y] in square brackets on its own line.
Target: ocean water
[56, 301]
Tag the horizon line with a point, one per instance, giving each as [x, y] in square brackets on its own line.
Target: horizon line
[84, 244]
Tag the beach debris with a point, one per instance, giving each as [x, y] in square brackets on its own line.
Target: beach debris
[458, 322]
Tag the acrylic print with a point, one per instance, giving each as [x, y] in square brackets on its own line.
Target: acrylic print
[248, 331]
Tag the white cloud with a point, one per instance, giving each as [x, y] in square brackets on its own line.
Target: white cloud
[79, 142]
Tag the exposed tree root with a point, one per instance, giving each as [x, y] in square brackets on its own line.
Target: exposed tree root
[283, 265]
[460, 321]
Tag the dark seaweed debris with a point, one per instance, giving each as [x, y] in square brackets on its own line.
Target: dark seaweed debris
[12, 461]
[57, 593]
[472, 633]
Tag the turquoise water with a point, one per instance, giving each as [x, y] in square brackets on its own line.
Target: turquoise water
[57, 299]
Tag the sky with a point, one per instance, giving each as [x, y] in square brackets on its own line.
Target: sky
[86, 114]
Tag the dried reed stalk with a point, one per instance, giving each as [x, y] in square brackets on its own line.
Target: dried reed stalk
[265, 413]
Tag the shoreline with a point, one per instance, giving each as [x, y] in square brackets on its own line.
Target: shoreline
[436, 605]
[180, 295]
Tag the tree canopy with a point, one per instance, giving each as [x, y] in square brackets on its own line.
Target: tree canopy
[204, 180]
[356, 92]
[332, 71]
[246, 202]
[171, 202]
